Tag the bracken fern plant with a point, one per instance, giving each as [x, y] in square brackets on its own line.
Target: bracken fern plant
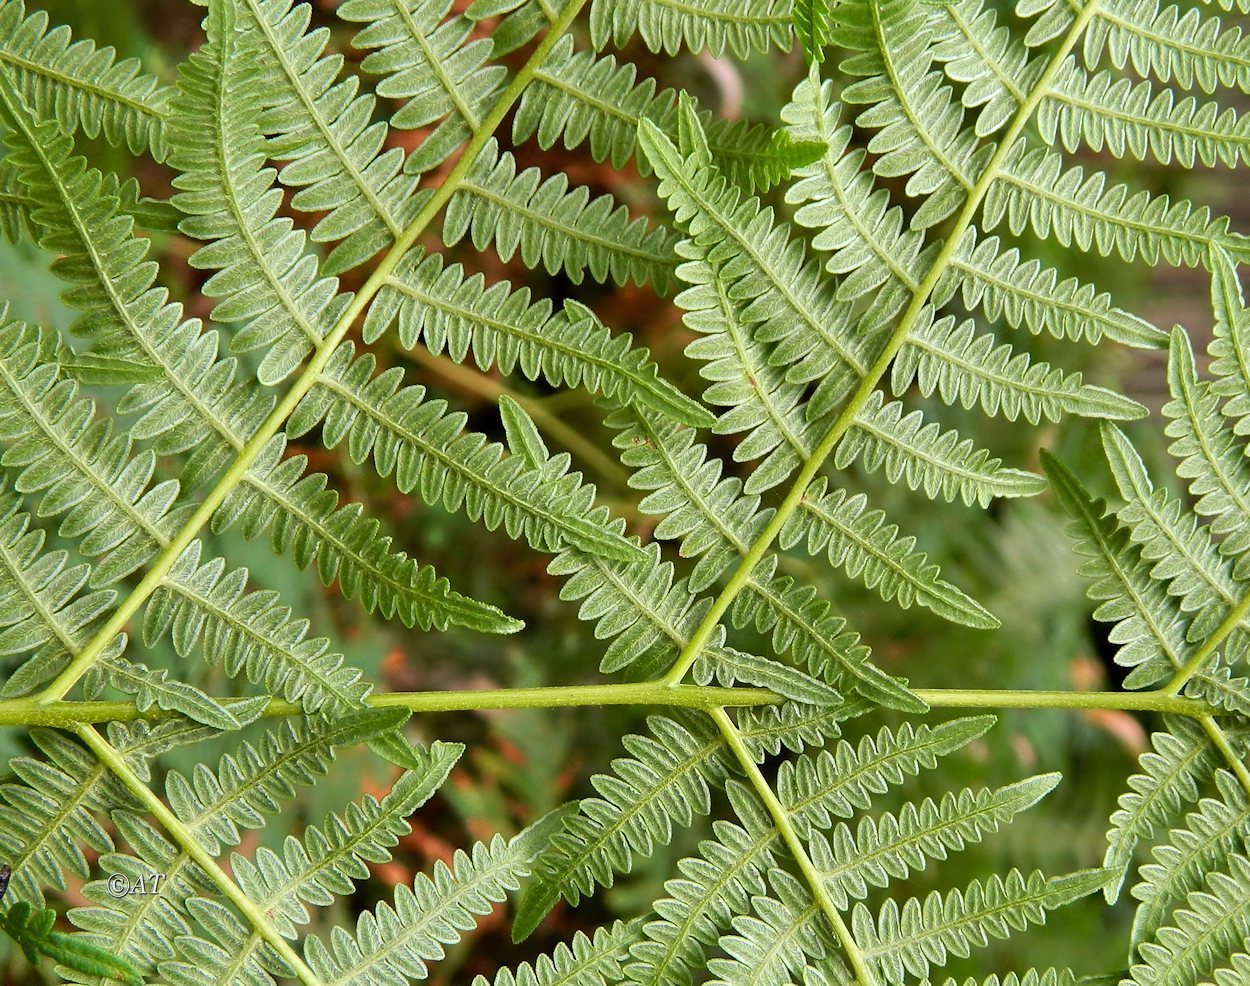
[854, 277]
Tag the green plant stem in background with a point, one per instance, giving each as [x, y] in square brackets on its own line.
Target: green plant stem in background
[311, 373]
[186, 841]
[781, 818]
[554, 426]
[32, 712]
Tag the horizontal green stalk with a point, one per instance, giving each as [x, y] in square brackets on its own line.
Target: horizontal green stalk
[30, 712]
[1153, 701]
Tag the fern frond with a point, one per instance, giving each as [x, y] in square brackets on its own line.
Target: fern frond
[781, 294]
[863, 233]
[727, 666]
[1101, 110]
[424, 60]
[47, 815]
[428, 450]
[309, 525]
[891, 846]
[920, 125]
[1220, 688]
[81, 467]
[758, 157]
[199, 395]
[927, 458]
[1036, 191]
[1034, 977]
[871, 550]
[578, 97]
[649, 612]
[820, 788]
[436, 305]
[1171, 772]
[912, 937]
[802, 624]
[781, 936]
[517, 21]
[1230, 347]
[251, 633]
[77, 218]
[43, 611]
[79, 86]
[1236, 971]
[142, 928]
[1150, 629]
[592, 961]
[155, 688]
[667, 780]
[49, 807]
[1184, 558]
[714, 25]
[713, 886]
[326, 863]
[972, 369]
[1206, 451]
[716, 521]
[1027, 295]
[550, 225]
[1199, 846]
[213, 805]
[327, 135]
[265, 278]
[16, 204]
[708, 513]
[762, 404]
[1185, 48]
[812, 25]
[33, 930]
[1213, 924]
[767, 729]
[996, 69]
[247, 785]
[397, 940]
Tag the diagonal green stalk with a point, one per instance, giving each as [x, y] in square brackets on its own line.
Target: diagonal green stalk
[868, 383]
[59, 687]
[781, 818]
[1218, 636]
[188, 844]
[1220, 741]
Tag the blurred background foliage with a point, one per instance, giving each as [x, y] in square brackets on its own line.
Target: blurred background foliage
[1016, 560]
